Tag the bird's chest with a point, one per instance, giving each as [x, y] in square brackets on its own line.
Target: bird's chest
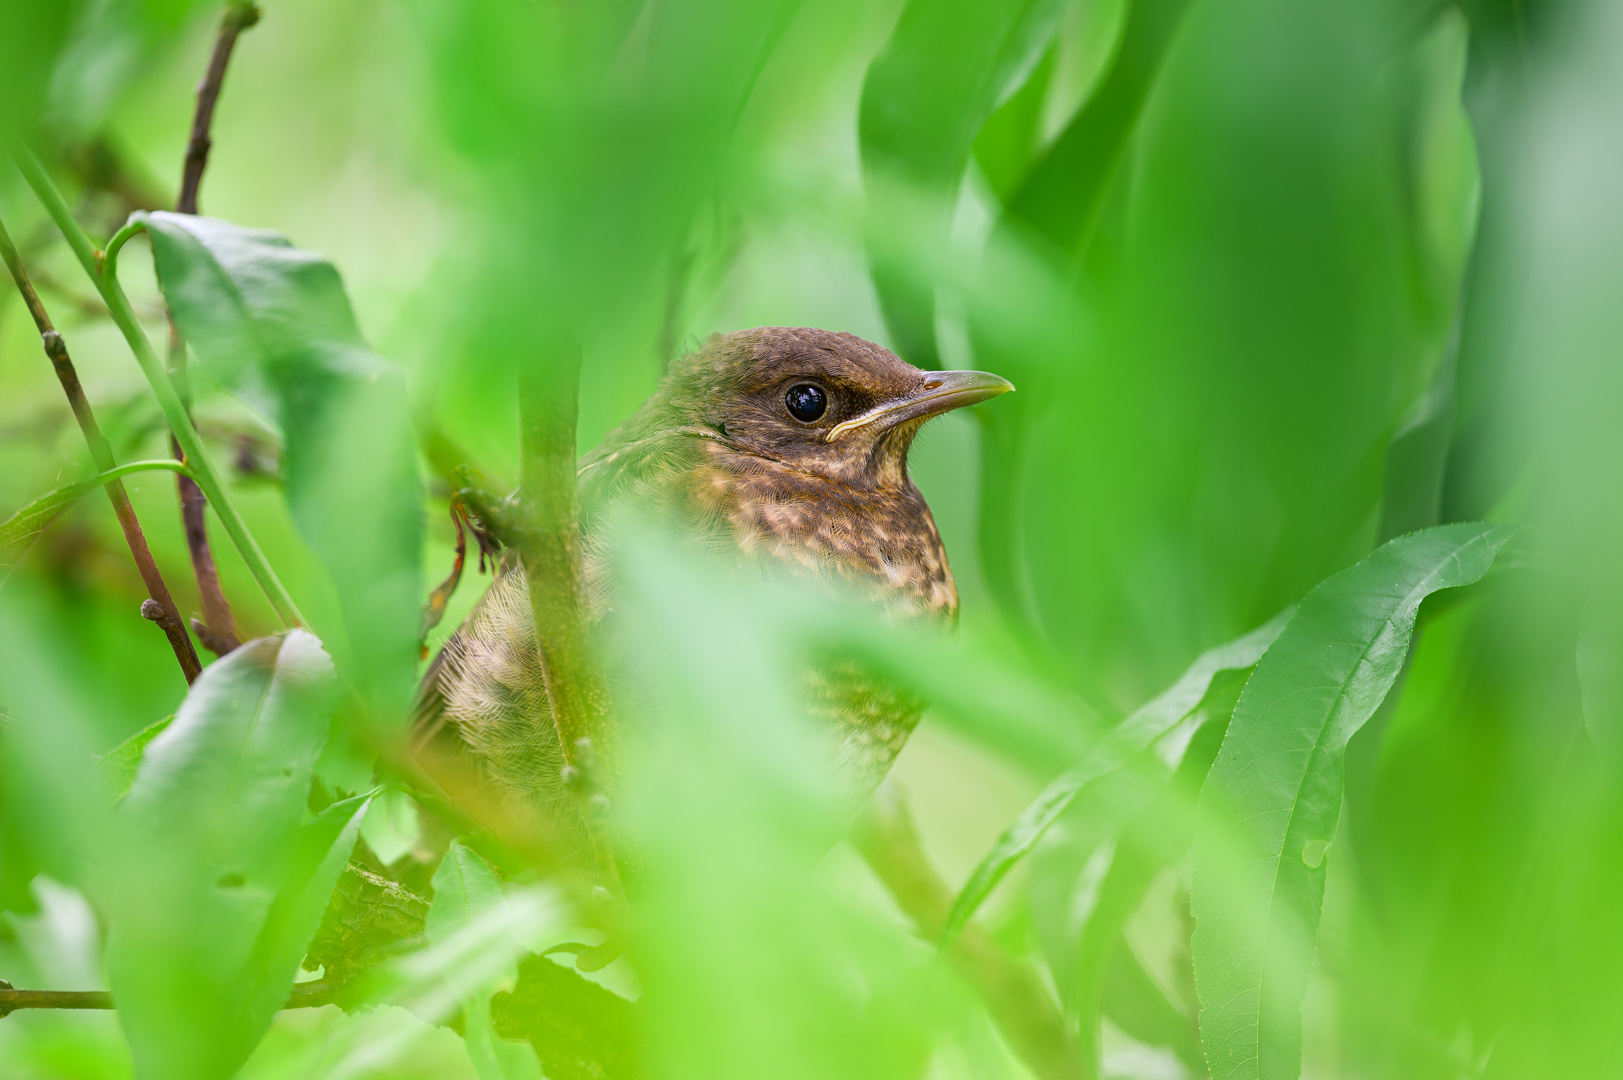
[884, 539]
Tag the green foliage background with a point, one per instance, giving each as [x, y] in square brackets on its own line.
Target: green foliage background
[1279, 282]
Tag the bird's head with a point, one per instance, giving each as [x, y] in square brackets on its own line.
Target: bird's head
[829, 404]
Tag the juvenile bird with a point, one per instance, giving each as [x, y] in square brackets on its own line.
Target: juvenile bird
[788, 445]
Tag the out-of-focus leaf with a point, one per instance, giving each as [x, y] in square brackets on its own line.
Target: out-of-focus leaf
[464, 889]
[55, 802]
[1062, 197]
[1130, 738]
[324, 847]
[273, 322]
[123, 760]
[1105, 978]
[579, 1030]
[1269, 807]
[925, 98]
[112, 43]
[216, 885]
[18, 532]
[31, 36]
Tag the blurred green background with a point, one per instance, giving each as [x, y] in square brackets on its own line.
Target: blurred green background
[1277, 282]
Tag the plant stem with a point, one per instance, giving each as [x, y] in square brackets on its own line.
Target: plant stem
[238, 17]
[197, 459]
[308, 995]
[102, 454]
[146, 465]
[218, 628]
[1013, 994]
[549, 544]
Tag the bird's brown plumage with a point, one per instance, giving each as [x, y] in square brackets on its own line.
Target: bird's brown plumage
[718, 448]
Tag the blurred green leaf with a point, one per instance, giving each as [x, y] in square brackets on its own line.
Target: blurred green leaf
[926, 96]
[1128, 739]
[324, 847]
[273, 323]
[1271, 802]
[1063, 195]
[218, 886]
[465, 888]
[18, 532]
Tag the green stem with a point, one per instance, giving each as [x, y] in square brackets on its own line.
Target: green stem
[120, 471]
[201, 466]
[107, 264]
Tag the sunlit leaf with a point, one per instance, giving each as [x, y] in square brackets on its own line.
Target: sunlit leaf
[1269, 807]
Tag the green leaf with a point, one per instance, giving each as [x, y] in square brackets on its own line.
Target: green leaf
[323, 850]
[1128, 739]
[1063, 195]
[924, 100]
[123, 760]
[18, 532]
[465, 887]
[1269, 807]
[273, 323]
[216, 881]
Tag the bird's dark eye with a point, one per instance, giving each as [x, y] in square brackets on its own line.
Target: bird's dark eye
[806, 402]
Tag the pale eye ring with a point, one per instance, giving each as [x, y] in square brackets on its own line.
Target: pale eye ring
[806, 402]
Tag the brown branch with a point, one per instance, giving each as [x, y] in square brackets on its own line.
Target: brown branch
[1014, 995]
[168, 616]
[307, 995]
[548, 541]
[238, 17]
[217, 629]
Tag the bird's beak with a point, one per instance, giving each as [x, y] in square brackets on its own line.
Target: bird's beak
[941, 391]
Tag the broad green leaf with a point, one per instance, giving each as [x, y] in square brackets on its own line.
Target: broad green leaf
[274, 324]
[213, 886]
[1269, 807]
[1128, 739]
[926, 96]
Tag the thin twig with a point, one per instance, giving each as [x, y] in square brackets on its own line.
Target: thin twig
[102, 454]
[198, 461]
[217, 629]
[238, 17]
[1013, 993]
[306, 995]
[549, 544]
